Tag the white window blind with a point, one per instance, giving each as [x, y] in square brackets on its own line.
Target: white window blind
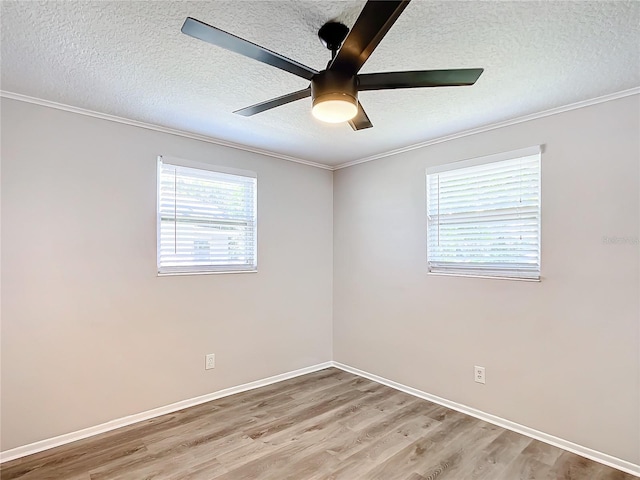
[483, 216]
[206, 220]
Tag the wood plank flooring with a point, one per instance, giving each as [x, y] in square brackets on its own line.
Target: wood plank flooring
[325, 425]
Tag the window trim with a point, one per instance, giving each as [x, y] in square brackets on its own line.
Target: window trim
[495, 157]
[203, 269]
[477, 161]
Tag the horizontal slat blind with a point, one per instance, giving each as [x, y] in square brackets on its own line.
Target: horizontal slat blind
[207, 220]
[484, 220]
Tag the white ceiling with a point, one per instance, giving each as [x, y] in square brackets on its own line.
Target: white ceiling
[129, 59]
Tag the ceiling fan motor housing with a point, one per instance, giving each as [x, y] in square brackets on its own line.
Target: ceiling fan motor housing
[333, 85]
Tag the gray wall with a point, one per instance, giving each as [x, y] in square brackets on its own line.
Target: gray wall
[562, 355]
[89, 332]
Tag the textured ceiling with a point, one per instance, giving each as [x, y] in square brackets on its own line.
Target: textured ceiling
[129, 59]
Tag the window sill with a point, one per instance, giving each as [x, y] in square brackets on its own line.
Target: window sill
[492, 277]
[182, 274]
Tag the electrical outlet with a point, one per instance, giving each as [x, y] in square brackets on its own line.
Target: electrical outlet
[478, 374]
[210, 361]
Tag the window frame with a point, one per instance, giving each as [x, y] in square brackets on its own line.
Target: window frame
[514, 274]
[203, 269]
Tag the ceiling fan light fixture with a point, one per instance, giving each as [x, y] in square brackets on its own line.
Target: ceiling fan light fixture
[335, 108]
[335, 96]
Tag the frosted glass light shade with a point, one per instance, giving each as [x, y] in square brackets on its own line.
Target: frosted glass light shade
[335, 110]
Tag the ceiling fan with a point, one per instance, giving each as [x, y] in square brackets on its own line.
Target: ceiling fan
[334, 91]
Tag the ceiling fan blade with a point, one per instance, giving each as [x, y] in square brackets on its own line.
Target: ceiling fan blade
[375, 20]
[419, 78]
[275, 102]
[361, 120]
[202, 31]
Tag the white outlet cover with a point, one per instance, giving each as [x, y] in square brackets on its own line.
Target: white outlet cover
[210, 361]
[478, 374]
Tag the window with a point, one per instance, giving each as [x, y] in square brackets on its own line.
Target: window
[206, 219]
[483, 216]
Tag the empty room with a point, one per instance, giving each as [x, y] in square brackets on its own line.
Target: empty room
[314, 240]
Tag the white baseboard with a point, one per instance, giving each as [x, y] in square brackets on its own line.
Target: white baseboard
[156, 412]
[600, 457]
[48, 443]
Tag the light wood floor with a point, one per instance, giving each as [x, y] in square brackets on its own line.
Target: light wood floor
[325, 425]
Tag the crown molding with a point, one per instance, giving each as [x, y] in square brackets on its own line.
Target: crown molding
[493, 126]
[389, 153]
[157, 128]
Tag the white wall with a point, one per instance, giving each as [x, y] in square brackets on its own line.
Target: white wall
[89, 332]
[562, 355]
